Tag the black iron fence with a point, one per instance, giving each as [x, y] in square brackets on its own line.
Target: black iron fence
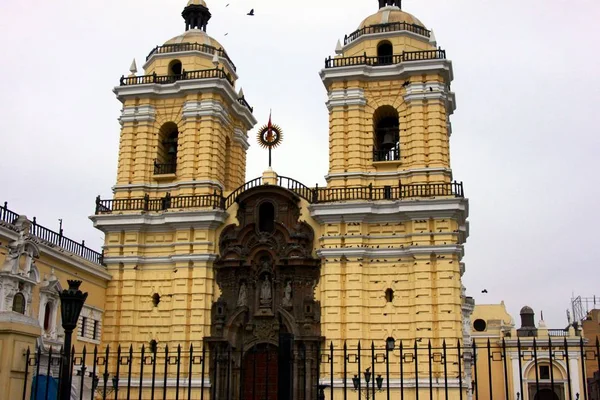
[181, 47]
[406, 56]
[52, 238]
[509, 369]
[312, 195]
[391, 27]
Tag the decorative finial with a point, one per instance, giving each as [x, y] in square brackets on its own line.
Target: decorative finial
[338, 47]
[215, 60]
[432, 39]
[270, 136]
[132, 69]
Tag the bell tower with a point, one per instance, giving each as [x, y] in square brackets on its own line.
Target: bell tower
[392, 249]
[389, 103]
[183, 143]
[184, 122]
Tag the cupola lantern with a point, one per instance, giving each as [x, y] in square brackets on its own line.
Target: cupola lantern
[393, 3]
[196, 15]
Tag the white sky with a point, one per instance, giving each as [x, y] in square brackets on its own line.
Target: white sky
[525, 141]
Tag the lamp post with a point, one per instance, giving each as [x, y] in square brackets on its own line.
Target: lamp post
[367, 375]
[71, 303]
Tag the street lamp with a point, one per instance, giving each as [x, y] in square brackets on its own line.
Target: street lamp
[367, 375]
[71, 303]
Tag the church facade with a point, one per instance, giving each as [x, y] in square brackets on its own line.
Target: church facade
[271, 271]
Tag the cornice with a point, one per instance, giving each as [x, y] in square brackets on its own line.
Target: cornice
[209, 257]
[403, 252]
[201, 219]
[399, 210]
[431, 91]
[186, 86]
[143, 113]
[346, 97]
[392, 71]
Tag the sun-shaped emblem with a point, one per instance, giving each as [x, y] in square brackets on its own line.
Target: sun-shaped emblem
[269, 136]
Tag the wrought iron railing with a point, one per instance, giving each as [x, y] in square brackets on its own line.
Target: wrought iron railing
[164, 169]
[406, 56]
[52, 238]
[184, 76]
[312, 195]
[391, 27]
[242, 101]
[396, 369]
[392, 154]
[181, 47]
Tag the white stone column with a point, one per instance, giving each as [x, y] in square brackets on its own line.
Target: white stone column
[574, 361]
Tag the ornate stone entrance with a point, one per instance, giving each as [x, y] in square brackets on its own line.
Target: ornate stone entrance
[265, 326]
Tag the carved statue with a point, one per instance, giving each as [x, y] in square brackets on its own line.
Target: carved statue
[242, 296]
[21, 247]
[265, 292]
[287, 295]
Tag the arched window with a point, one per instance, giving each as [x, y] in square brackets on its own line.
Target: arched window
[47, 316]
[175, 69]
[386, 125]
[19, 303]
[166, 157]
[385, 53]
[266, 217]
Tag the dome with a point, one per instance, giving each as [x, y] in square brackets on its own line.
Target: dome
[195, 36]
[196, 3]
[527, 310]
[388, 15]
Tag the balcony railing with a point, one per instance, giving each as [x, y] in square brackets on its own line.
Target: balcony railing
[52, 238]
[184, 76]
[181, 47]
[391, 27]
[312, 195]
[392, 154]
[558, 332]
[164, 169]
[168, 79]
[376, 61]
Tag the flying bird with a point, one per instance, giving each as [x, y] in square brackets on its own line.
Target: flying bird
[406, 83]
[484, 291]
[251, 13]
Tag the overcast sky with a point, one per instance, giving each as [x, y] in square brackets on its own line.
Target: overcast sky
[525, 134]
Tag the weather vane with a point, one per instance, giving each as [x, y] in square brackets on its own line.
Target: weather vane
[270, 136]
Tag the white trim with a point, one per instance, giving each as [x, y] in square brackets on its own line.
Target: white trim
[195, 86]
[431, 91]
[160, 187]
[208, 257]
[383, 211]
[201, 219]
[241, 137]
[144, 113]
[408, 251]
[346, 97]
[392, 71]
[393, 174]
[206, 108]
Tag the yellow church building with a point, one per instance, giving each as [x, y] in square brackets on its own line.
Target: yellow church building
[198, 256]
[211, 286]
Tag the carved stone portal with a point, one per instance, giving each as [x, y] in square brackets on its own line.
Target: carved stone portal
[266, 330]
